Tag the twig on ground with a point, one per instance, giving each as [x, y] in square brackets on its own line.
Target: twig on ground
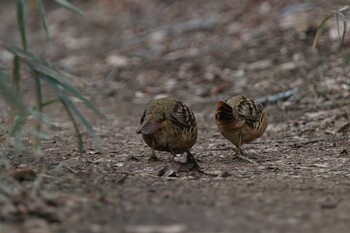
[282, 96]
[22, 174]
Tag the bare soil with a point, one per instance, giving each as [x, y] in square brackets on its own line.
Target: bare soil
[127, 53]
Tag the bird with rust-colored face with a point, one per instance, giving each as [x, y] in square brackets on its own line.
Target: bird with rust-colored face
[240, 120]
[168, 125]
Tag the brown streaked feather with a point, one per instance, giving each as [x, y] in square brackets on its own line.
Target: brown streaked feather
[248, 109]
[224, 112]
[182, 115]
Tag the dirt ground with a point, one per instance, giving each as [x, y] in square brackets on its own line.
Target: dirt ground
[129, 52]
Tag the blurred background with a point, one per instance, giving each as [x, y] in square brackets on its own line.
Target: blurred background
[202, 50]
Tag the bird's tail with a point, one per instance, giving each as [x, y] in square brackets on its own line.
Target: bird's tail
[224, 112]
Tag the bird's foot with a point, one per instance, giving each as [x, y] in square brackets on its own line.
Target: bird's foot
[239, 156]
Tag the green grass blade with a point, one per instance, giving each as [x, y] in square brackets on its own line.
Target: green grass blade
[32, 111]
[49, 102]
[342, 36]
[43, 20]
[72, 90]
[24, 55]
[75, 125]
[320, 29]
[16, 74]
[345, 25]
[36, 63]
[51, 82]
[76, 93]
[14, 100]
[41, 67]
[19, 122]
[30, 59]
[337, 20]
[21, 23]
[39, 97]
[46, 70]
[70, 6]
[37, 141]
[80, 116]
[9, 94]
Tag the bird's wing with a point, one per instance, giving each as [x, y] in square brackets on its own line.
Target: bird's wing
[249, 110]
[182, 115]
[147, 126]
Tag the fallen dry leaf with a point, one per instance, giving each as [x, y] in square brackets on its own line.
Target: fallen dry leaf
[22, 174]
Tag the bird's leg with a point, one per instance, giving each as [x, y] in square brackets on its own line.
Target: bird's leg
[238, 150]
[173, 155]
[190, 156]
[239, 153]
[192, 160]
[153, 156]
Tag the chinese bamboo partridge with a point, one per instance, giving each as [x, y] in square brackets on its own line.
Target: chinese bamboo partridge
[240, 120]
[169, 125]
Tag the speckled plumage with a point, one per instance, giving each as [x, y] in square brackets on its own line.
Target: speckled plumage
[240, 120]
[168, 125]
